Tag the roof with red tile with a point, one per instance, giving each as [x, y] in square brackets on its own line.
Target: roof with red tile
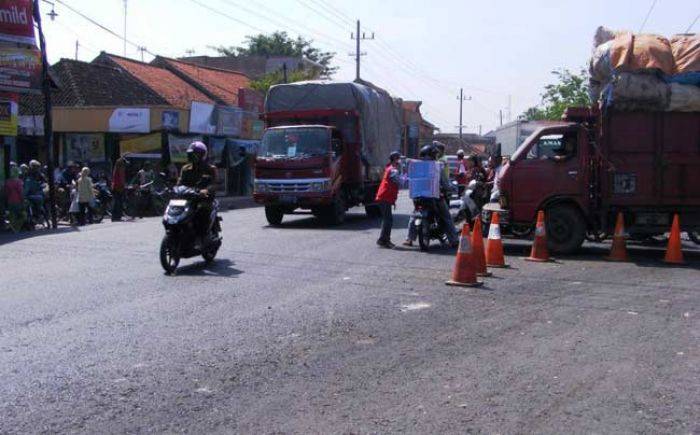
[176, 91]
[222, 84]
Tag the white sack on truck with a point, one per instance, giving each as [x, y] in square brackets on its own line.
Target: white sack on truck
[684, 98]
[636, 91]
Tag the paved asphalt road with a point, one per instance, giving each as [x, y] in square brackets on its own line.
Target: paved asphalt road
[302, 329]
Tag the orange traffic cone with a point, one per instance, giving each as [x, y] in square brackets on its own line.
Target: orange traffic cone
[464, 273]
[674, 255]
[478, 246]
[618, 252]
[539, 250]
[494, 245]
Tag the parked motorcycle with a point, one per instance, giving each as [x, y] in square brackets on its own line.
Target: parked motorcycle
[471, 202]
[103, 201]
[182, 235]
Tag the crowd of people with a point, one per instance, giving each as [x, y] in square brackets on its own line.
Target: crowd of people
[469, 168]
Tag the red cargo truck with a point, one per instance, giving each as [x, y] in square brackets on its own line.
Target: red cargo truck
[324, 148]
[593, 164]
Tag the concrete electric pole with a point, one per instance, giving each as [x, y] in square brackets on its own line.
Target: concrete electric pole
[359, 37]
[461, 99]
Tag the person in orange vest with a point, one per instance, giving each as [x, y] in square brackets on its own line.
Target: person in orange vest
[386, 198]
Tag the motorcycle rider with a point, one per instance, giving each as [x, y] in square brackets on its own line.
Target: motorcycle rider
[34, 182]
[440, 205]
[199, 175]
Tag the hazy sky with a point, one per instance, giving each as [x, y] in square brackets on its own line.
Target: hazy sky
[422, 50]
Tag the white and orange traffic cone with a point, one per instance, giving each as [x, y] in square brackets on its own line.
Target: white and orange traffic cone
[494, 244]
[478, 246]
[539, 251]
[618, 251]
[674, 254]
[464, 273]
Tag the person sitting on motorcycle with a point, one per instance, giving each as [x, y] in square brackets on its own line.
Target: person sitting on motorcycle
[461, 172]
[199, 175]
[34, 182]
[440, 206]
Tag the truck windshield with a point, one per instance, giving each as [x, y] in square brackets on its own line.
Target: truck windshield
[295, 142]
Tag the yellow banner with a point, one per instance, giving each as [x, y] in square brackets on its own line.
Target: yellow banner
[8, 116]
[143, 144]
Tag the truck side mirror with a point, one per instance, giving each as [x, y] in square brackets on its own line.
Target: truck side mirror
[337, 147]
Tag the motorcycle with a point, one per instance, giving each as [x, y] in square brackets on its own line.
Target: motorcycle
[103, 202]
[427, 224]
[471, 202]
[182, 236]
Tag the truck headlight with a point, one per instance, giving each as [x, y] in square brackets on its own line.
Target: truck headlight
[321, 186]
[260, 187]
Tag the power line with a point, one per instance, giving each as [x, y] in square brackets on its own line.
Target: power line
[692, 24]
[644, 23]
[106, 29]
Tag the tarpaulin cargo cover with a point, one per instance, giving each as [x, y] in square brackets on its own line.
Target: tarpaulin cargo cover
[380, 116]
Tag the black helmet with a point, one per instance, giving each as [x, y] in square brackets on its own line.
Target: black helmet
[395, 155]
[427, 151]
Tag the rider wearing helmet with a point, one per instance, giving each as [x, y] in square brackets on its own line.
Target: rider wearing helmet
[198, 174]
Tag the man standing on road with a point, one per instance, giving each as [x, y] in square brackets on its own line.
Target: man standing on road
[386, 197]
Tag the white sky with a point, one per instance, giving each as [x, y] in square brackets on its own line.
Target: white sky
[423, 50]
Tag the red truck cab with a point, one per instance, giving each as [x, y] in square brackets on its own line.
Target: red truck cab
[586, 169]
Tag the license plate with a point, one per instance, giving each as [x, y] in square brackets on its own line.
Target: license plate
[287, 199]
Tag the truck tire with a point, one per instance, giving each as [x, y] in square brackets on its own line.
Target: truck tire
[566, 229]
[274, 215]
[695, 235]
[334, 214]
[373, 211]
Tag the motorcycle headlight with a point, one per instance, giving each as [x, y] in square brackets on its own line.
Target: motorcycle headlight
[175, 210]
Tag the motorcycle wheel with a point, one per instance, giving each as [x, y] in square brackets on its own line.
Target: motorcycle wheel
[98, 214]
[169, 256]
[424, 236]
[210, 255]
[694, 235]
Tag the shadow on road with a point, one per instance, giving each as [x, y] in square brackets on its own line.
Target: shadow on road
[221, 268]
[353, 222]
[15, 237]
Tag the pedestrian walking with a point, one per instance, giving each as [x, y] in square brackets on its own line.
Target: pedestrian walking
[386, 198]
[14, 194]
[118, 189]
[86, 195]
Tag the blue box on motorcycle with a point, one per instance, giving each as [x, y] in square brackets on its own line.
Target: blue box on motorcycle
[423, 179]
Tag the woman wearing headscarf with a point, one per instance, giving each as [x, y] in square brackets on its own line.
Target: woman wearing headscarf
[86, 195]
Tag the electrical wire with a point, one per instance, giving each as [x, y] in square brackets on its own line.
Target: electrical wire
[692, 24]
[106, 29]
[644, 23]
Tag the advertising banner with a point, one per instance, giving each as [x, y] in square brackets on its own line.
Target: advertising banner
[84, 148]
[130, 120]
[178, 147]
[20, 69]
[170, 119]
[8, 114]
[228, 121]
[31, 125]
[17, 22]
[202, 118]
[144, 144]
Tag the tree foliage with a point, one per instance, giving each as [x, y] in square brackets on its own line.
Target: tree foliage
[281, 44]
[274, 78]
[571, 89]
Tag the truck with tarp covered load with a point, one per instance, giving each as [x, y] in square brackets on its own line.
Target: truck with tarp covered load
[324, 148]
[594, 164]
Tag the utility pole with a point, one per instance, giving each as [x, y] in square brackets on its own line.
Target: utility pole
[48, 126]
[77, 44]
[500, 117]
[461, 99]
[284, 71]
[357, 37]
[479, 129]
[142, 50]
[509, 107]
[125, 27]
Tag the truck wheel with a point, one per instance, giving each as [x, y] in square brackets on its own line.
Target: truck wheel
[694, 236]
[566, 229]
[274, 215]
[334, 214]
[373, 211]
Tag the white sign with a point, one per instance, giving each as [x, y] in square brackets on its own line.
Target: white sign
[202, 118]
[124, 120]
[31, 125]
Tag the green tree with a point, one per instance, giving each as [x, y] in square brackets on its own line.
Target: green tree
[281, 44]
[274, 78]
[570, 90]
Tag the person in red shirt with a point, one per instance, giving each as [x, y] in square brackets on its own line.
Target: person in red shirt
[386, 198]
[118, 186]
